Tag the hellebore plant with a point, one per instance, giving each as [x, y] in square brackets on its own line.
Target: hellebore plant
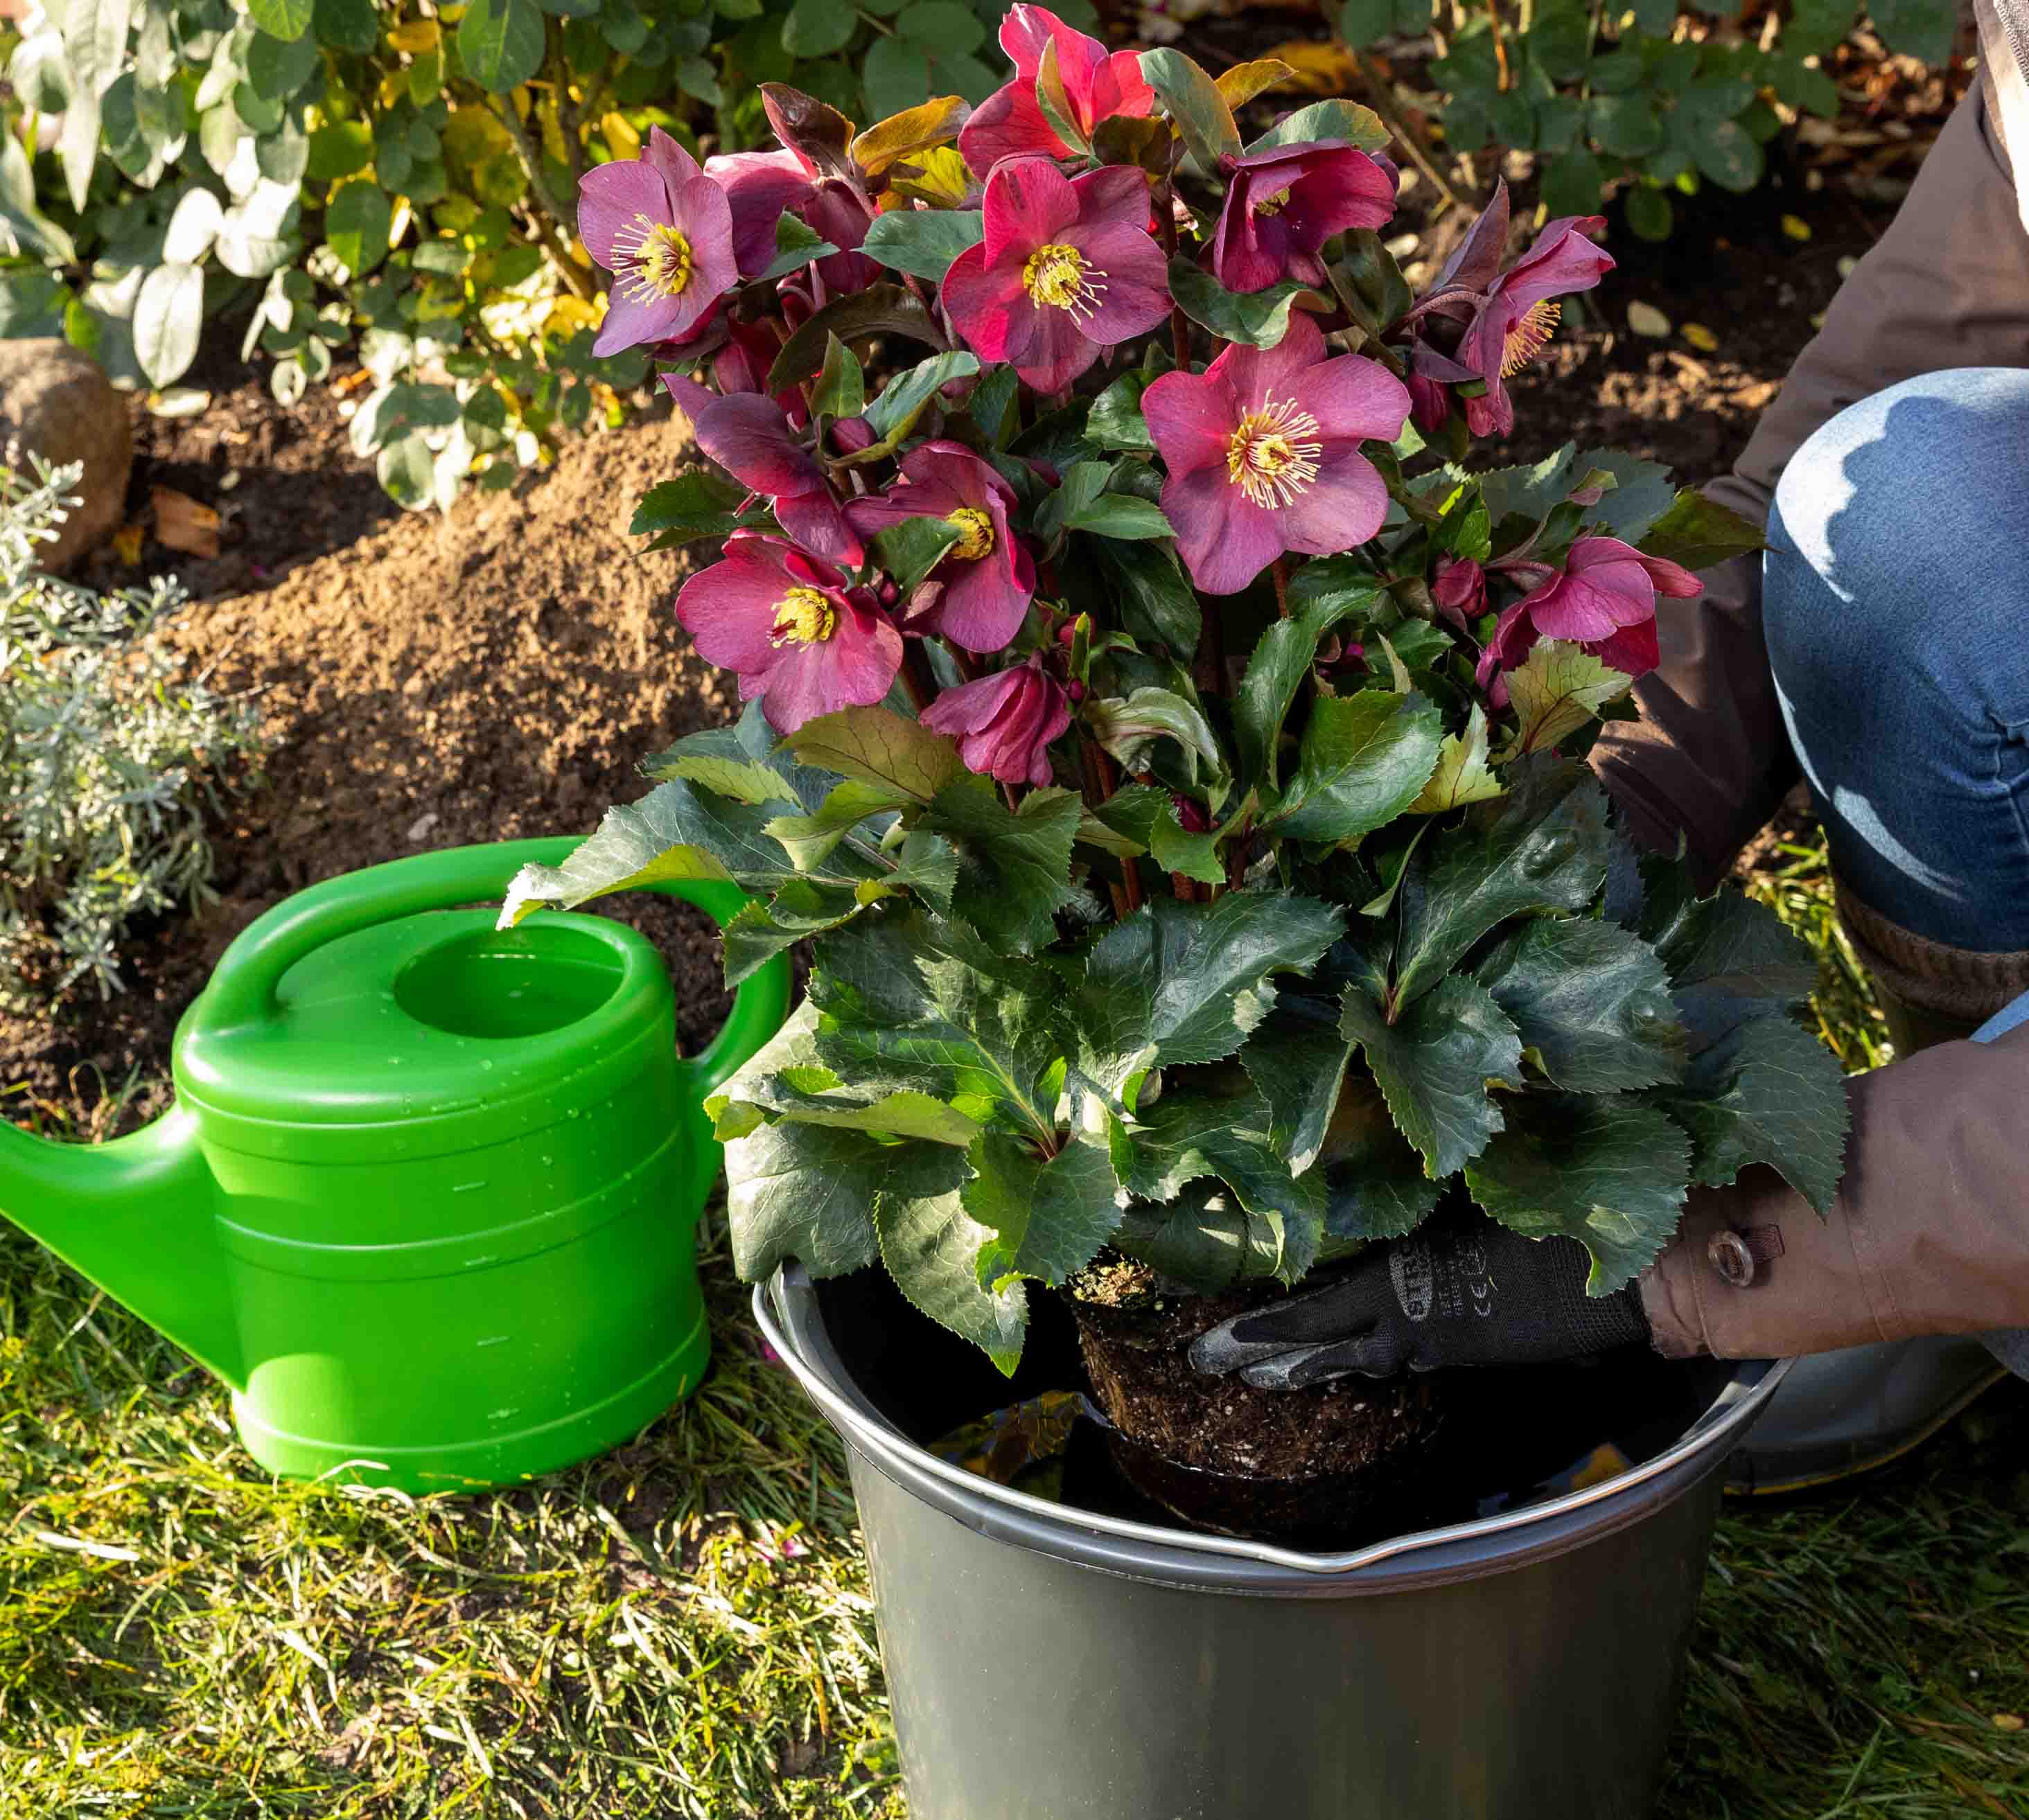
[1174, 755]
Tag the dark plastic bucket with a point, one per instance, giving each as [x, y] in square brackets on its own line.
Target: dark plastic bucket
[1050, 1663]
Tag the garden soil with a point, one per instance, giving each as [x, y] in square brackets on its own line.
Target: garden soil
[500, 669]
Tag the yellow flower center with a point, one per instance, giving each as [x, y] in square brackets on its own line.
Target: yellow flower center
[1274, 453]
[804, 617]
[975, 533]
[1058, 276]
[1525, 340]
[1272, 204]
[657, 256]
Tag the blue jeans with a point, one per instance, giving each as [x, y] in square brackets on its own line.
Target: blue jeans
[1896, 604]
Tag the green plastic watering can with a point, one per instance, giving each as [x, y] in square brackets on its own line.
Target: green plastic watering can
[428, 1196]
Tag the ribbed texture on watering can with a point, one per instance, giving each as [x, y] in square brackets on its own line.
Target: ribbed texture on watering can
[358, 1063]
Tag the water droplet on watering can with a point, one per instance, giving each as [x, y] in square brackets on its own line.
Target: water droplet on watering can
[487, 1065]
[466, 1187]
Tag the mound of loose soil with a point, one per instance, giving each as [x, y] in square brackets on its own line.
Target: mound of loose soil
[495, 672]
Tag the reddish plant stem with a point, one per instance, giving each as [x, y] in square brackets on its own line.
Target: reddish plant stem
[1280, 569]
[1100, 782]
[1180, 325]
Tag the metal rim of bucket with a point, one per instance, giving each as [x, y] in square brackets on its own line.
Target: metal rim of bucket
[1147, 1550]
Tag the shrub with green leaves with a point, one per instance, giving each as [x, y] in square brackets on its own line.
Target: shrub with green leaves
[400, 179]
[111, 763]
[1632, 96]
[1166, 734]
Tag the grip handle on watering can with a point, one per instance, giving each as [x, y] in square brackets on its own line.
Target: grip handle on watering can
[242, 989]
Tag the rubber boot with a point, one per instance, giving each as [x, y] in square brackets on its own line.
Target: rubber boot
[1838, 1415]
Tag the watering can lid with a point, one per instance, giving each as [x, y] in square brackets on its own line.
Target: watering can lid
[432, 1018]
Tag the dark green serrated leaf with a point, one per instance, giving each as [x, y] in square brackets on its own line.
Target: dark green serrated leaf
[1156, 605]
[908, 551]
[1179, 983]
[1206, 1240]
[932, 1246]
[1542, 847]
[1631, 508]
[1434, 1064]
[1297, 1060]
[878, 745]
[1769, 1092]
[1013, 869]
[806, 1192]
[1592, 1000]
[917, 1004]
[1697, 532]
[1334, 120]
[1050, 1215]
[1280, 661]
[1364, 759]
[1373, 1180]
[1611, 1174]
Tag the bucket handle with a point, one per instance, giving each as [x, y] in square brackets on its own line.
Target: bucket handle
[242, 989]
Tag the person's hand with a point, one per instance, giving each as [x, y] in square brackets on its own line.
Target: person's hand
[1470, 1292]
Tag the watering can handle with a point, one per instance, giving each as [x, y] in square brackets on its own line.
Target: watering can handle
[242, 989]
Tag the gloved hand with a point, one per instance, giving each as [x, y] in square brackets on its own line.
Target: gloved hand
[1470, 1292]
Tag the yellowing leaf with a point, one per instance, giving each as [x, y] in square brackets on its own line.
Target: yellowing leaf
[1699, 336]
[1240, 84]
[1796, 226]
[126, 543]
[415, 36]
[1463, 775]
[568, 314]
[1645, 319]
[1557, 689]
[915, 129]
[621, 139]
[937, 177]
[1315, 68]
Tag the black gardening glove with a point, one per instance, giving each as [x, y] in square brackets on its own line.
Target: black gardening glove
[1470, 1292]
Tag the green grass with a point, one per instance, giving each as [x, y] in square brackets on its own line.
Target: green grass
[685, 1629]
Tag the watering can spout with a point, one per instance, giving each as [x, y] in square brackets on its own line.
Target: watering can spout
[135, 1216]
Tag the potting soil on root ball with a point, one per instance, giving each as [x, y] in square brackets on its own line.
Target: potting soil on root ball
[1509, 1438]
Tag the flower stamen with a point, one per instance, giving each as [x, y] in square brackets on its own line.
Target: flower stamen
[1273, 204]
[975, 531]
[1526, 338]
[1272, 457]
[657, 257]
[1058, 276]
[803, 617]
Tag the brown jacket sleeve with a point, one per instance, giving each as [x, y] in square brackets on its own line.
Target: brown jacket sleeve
[1947, 286]
[1930, 1234]
[1931, 1231]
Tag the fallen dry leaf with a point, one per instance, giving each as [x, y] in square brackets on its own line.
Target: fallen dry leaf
[2009, 1722]
[1699, 336]
[1318, 68]
[181, 523]
[126, 543]
[1646, 319]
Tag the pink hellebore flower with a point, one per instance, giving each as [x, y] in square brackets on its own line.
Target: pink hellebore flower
[1263, 450]
[1603, 600]
[803, 642]
[749, 437]
[664, 230]
[741, 365]
[1004, 723]
[984, 586]
[1459, 589]
[760, 187]
[1283, 204]
[1067, 267]
[1517, 315]
[1098, 84]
